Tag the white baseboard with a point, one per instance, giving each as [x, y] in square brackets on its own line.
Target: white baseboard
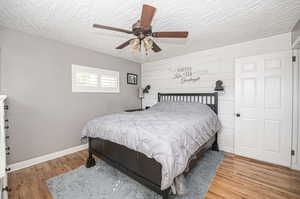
[227, 149]
[44, 158]
[296, 167]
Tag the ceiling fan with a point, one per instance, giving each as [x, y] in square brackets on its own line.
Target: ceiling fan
[142, 29]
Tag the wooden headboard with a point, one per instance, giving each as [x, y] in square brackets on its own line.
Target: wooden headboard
[210, 99]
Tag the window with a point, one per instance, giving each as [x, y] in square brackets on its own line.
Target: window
[89, 79]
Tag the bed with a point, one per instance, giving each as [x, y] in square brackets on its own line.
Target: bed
[141, 157]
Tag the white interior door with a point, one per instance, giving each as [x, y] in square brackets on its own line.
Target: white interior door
[264, 107]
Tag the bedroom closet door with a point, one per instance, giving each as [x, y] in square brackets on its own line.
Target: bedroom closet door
[264, 107]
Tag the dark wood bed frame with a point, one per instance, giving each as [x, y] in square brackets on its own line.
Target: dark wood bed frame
[145, 170]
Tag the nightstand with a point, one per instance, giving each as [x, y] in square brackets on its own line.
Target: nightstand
[133, 110]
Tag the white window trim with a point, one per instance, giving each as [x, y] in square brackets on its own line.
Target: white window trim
[98, 71]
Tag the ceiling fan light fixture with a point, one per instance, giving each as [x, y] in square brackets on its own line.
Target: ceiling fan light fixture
[135, 45]
[148, 44]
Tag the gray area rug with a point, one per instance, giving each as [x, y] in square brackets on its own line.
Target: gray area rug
[104, 182]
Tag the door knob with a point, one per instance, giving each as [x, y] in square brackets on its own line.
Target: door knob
[238, 115]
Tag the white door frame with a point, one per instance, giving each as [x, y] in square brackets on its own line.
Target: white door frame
[295, 164]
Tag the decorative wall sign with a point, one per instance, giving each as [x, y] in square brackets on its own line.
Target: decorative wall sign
[186, 74]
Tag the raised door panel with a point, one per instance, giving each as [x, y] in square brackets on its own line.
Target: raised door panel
[247, 138]
[272, 131]
[272, 64]
[249, 135]
[273, 92]
[248, 67]
[248, 92]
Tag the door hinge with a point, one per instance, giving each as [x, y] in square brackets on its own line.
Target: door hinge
[6, 189]
[292, 152]
[294, 58]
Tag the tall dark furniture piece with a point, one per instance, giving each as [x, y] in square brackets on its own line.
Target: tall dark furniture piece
[145, 170]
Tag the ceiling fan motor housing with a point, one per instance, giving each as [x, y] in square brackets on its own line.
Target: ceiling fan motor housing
[140, 31]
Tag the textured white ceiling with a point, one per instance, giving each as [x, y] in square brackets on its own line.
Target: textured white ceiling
[211, 23]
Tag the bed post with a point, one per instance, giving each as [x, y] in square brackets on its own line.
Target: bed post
[158, 97]
[215, 146]
[90, 162]
[165, 194]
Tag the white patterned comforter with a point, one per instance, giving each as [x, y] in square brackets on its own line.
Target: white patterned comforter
[168, 132]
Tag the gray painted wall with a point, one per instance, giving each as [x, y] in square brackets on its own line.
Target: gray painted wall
[296, 32]
[45, 116]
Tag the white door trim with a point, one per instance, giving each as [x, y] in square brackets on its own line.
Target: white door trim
[295, 163]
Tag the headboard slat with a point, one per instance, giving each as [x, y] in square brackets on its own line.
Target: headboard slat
[211, 99]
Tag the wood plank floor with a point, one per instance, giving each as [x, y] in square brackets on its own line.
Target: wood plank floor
[237, 177]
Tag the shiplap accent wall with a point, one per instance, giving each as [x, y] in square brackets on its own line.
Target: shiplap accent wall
[212, 65]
